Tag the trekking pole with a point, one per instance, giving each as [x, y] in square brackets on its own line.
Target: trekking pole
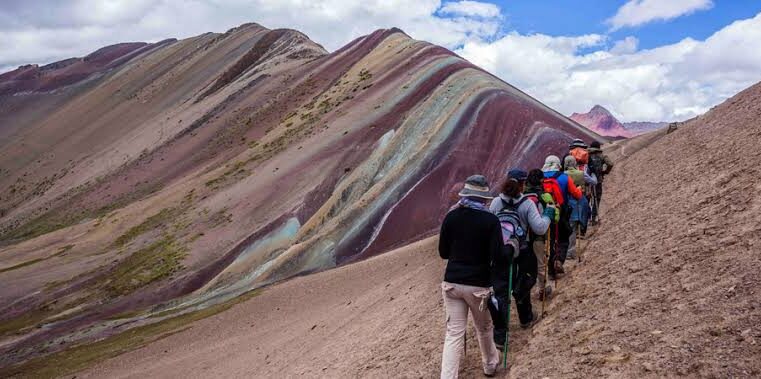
[546, 266]
[557, 247]
[509, 301]
[595, 206]
[578, 241]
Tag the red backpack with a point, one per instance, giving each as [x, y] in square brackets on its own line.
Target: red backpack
[552, 187]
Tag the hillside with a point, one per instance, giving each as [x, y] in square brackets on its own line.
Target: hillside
[669, 287]
[178, 176]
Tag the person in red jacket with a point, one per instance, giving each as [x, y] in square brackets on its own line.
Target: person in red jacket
[561, 237]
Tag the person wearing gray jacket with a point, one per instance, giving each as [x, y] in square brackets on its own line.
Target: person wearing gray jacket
[534, 224]
[528, 211]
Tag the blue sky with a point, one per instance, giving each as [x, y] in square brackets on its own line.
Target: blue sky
[568, 17]
[644, 60]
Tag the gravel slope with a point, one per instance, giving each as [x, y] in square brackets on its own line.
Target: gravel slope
[671, 284]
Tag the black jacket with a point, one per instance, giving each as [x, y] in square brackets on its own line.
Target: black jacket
[472, 242]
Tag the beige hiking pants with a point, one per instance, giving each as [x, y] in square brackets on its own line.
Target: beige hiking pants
[458, 299]
[541, 263]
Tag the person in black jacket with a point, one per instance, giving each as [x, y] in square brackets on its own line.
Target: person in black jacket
[470, 239]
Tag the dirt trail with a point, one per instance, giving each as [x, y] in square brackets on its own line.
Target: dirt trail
[382, 317]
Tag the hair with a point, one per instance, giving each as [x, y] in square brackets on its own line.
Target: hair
[512, 187]
[570, 162]
[535, 177]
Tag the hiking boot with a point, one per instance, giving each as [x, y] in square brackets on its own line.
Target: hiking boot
[546, 291]
[571, 255]
[491, 371]
[559, 268]
[534, 320]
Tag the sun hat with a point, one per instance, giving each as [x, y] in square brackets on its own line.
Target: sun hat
[552, 163]
[476, 186]
[578, 143]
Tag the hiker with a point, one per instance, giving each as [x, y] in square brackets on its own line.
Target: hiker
[578, 150]
[561, 189]
[534, 187]
[599, 165]
[513, 205]
[470, 239]
[579, 209]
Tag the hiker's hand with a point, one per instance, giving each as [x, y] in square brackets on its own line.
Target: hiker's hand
[549, 212]
[547, 199]
[513, 243]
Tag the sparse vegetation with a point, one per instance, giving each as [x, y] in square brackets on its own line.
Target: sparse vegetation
[151, 223]
[60, 252]
[364, 74]
[220, 217]
[25, 321]
[78, 357]
[147, 265]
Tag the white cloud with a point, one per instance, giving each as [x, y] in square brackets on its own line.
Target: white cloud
[672, 82]
[627, 45]
[471, 8]
[638, 12]
[568, 73]
[75, 28]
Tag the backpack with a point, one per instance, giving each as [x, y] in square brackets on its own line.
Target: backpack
[581, 155]
[552, 187]
[595, 165]
[510, 221]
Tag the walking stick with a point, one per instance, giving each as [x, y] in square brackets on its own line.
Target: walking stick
[546, 266]
[595, 205]
[507, 327]
[557, 246]
[578, 241]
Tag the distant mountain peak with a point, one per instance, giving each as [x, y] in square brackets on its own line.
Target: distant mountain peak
[599, 109]
[601, 121]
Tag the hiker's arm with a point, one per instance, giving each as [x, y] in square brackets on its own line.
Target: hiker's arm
[608, 165]
[589, 179]
[573, 190]
[444, 239]
[536, 221]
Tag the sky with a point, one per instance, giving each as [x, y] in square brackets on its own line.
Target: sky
[644, 60]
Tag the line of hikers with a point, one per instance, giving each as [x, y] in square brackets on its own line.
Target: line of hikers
[503, 248]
